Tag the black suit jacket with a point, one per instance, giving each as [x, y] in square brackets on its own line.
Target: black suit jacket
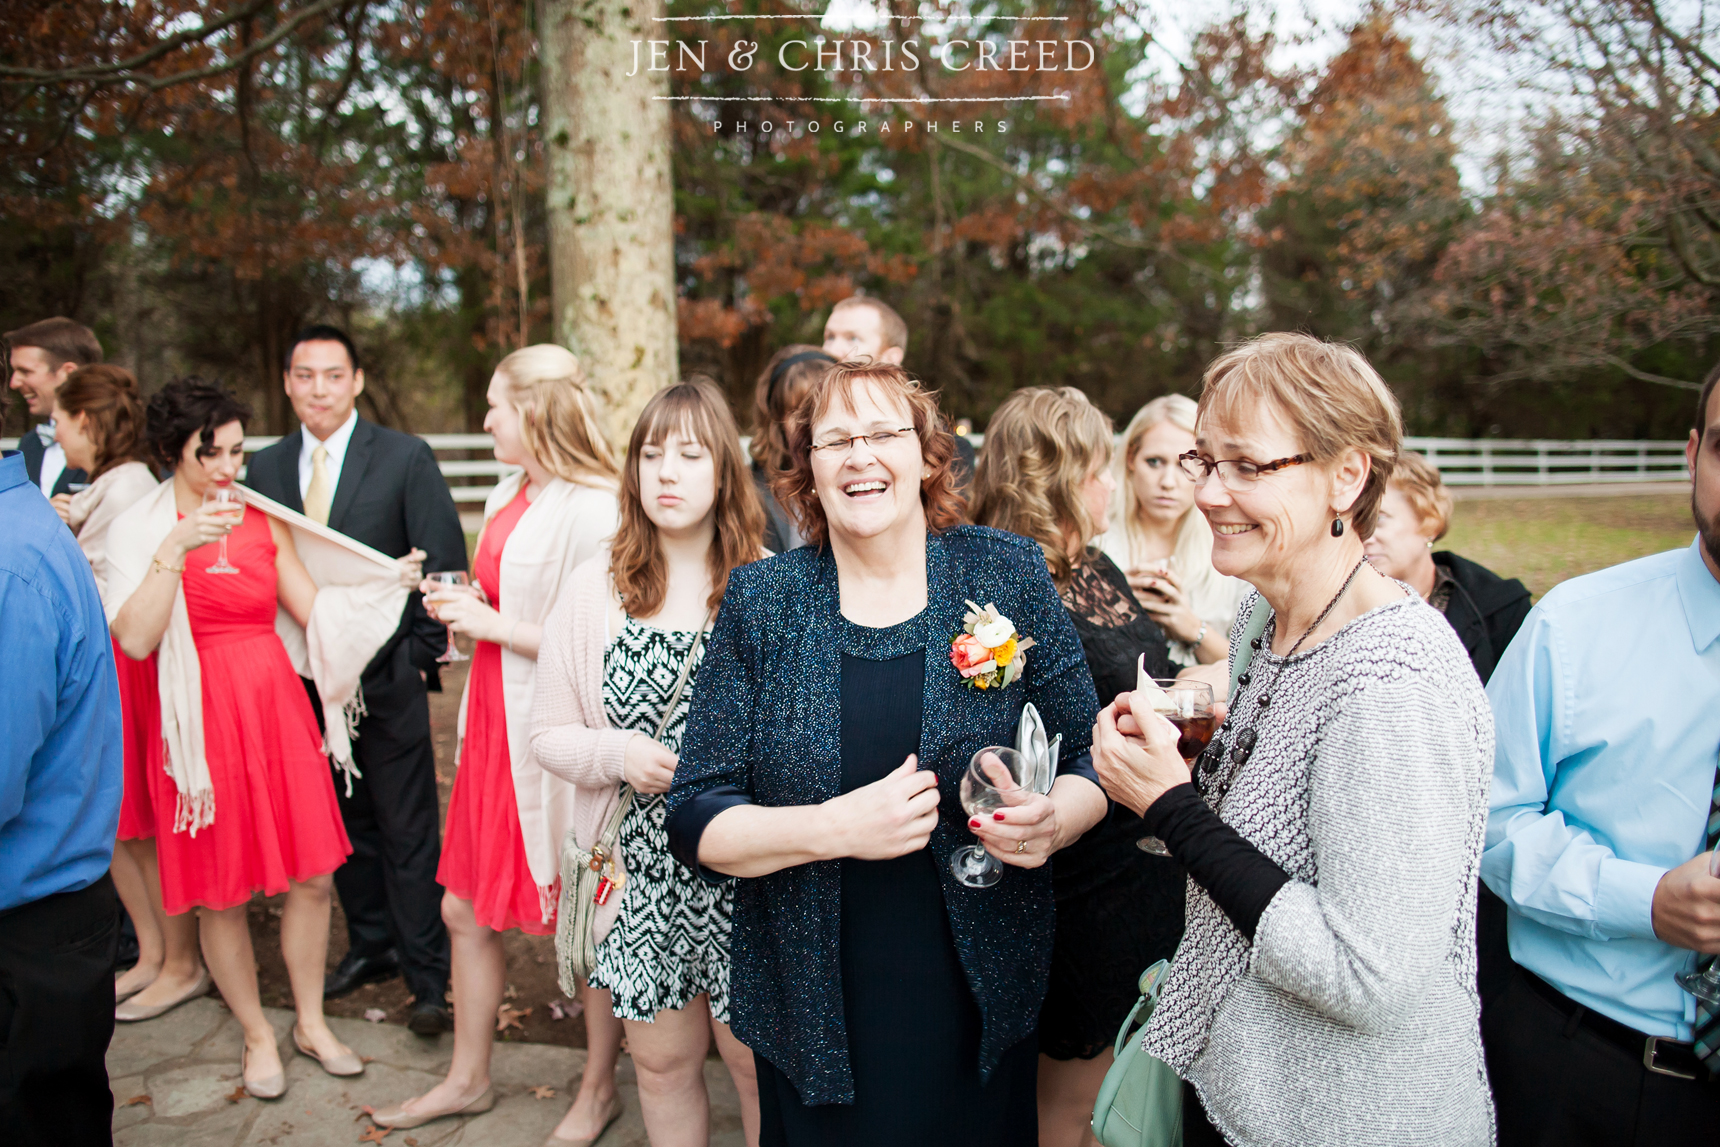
[33, 449]
[391, 497]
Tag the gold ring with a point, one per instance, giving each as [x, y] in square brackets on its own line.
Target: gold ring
[1020, 847]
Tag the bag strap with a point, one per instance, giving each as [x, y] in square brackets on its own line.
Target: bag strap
[612, 830]
[1245, 654]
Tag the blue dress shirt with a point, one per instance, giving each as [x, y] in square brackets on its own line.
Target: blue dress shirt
[61, 757]
[1607, 711]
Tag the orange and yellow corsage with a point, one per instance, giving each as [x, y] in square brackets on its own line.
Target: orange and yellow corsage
[988, 653]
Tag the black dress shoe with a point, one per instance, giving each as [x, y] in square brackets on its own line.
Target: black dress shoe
[353, 972]
[430, 1018]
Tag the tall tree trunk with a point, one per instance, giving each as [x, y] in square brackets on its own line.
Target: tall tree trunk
[611, 201]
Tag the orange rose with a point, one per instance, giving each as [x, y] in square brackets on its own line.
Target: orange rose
[970, 657]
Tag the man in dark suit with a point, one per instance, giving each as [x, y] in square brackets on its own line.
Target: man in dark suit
[382, 488]
[42, 356]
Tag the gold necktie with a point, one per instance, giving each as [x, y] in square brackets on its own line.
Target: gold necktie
[320, 491]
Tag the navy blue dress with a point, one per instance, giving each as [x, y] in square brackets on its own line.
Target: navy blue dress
[913, 1025]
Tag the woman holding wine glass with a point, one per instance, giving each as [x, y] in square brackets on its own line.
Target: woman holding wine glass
[1332, 830]
[1045, 473]
[246, 802]
[844, 691]
[615, 682]
[539, 524]
[99, 422]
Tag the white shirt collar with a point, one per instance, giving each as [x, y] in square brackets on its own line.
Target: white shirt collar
[336, 445]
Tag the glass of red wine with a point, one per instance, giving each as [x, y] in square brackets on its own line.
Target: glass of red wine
[1188, 706]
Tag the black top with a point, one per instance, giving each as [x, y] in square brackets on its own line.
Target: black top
[1240, 878]
[31, 446]
[913, 1027]
[766, 727]
[1114, 631]
[392, 497]
[1485, 609]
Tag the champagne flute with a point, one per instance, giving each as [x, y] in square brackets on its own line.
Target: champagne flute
[449, 583]
[972, 865]
[225, 500]
[1705, 986]
[1188, 706]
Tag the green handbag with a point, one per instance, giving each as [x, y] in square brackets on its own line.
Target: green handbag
[1140, 1102]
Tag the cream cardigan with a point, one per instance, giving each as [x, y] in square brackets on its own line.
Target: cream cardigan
[564, 525]
[94, 508]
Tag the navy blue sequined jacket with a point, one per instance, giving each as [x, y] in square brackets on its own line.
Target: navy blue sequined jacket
[765, 727]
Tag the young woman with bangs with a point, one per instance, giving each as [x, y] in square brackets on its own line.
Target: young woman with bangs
[632, 620]
[499, 853]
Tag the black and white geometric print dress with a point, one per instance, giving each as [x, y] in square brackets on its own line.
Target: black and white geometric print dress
[671, 941]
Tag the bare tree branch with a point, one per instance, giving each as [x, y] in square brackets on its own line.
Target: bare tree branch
[172, 43]
[1644, 376]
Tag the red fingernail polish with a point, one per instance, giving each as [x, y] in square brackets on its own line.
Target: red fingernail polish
[974, 823]
[996, 816]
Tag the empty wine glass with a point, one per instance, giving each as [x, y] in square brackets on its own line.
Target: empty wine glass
[1188, 706]
[1705, 986]
[973, 865]
[226, 500]
[450, 583]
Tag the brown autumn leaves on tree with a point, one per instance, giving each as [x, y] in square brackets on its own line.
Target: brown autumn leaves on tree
[196, 199]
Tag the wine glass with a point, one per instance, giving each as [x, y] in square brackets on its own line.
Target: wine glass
[973, 865]
[1188, 706]
[225, 500]
[449, 583]
[1705, 986]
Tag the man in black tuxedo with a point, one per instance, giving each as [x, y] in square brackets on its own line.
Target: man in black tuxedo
[382, 488]
[42, 356]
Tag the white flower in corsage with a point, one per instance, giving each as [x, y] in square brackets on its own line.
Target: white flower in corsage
[988, 652]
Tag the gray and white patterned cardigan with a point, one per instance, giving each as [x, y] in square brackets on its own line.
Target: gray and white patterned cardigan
[1352, 1019]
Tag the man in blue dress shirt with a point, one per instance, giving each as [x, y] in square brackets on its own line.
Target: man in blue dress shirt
[1604, 811]
[60, 778]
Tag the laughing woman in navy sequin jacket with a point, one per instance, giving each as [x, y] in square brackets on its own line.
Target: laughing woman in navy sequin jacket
[830, 726]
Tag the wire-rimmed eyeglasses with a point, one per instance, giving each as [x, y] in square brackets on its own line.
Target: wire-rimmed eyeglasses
[1235, 473]
[877, 440]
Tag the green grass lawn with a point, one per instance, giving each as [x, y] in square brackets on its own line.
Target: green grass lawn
[1543, 541]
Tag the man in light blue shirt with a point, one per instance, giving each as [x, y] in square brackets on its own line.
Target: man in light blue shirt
[1607, 716]
[61, 768]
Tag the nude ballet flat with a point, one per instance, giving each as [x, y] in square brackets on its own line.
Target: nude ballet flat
[120, 997]
[347, 1063]
[614, 1114]
[400, 1119]
[131, 1011]
[272, 1087]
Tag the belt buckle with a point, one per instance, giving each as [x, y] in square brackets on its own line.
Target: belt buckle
[1650, 1049]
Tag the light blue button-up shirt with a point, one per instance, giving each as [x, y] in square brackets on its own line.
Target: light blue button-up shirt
[1606, 708]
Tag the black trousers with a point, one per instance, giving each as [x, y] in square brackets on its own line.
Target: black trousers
[388, 886]
[56, 1018]
[1557, 1083]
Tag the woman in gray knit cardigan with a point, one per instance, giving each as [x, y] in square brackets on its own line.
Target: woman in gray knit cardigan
[1324, 991]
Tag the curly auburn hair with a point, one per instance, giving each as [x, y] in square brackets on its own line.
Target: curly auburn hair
[186, 407]
[1041, 447]
[695, 409]
[794, 487]
[108, 396]
[780, 387]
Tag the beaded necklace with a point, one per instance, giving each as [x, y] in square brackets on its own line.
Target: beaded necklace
[1245, 739]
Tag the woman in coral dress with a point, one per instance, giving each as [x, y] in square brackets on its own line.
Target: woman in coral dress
[99, 422]
[249, 805]
[538, 525]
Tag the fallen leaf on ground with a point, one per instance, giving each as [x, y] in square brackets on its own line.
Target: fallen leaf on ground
[237, 1094]
[543, 1092]
[411, 1142]
[375, 1015]
[367, 1059]
[137, 1099]
[376, 1134]
[507, 1017]
[509, 992]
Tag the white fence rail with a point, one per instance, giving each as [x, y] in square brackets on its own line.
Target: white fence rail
[472, 471]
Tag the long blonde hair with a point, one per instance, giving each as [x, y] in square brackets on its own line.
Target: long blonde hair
[558, 418]
[1040, 448]
[1193, 546]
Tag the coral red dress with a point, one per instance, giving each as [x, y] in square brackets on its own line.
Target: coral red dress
[276, 818]
[140, 726]
[483, 852]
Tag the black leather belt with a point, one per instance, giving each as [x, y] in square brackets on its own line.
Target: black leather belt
[1659, 1054]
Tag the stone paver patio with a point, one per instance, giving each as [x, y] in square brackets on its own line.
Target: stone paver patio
[187, 1063]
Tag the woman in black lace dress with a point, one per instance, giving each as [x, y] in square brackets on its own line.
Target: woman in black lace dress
[1045, 473]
